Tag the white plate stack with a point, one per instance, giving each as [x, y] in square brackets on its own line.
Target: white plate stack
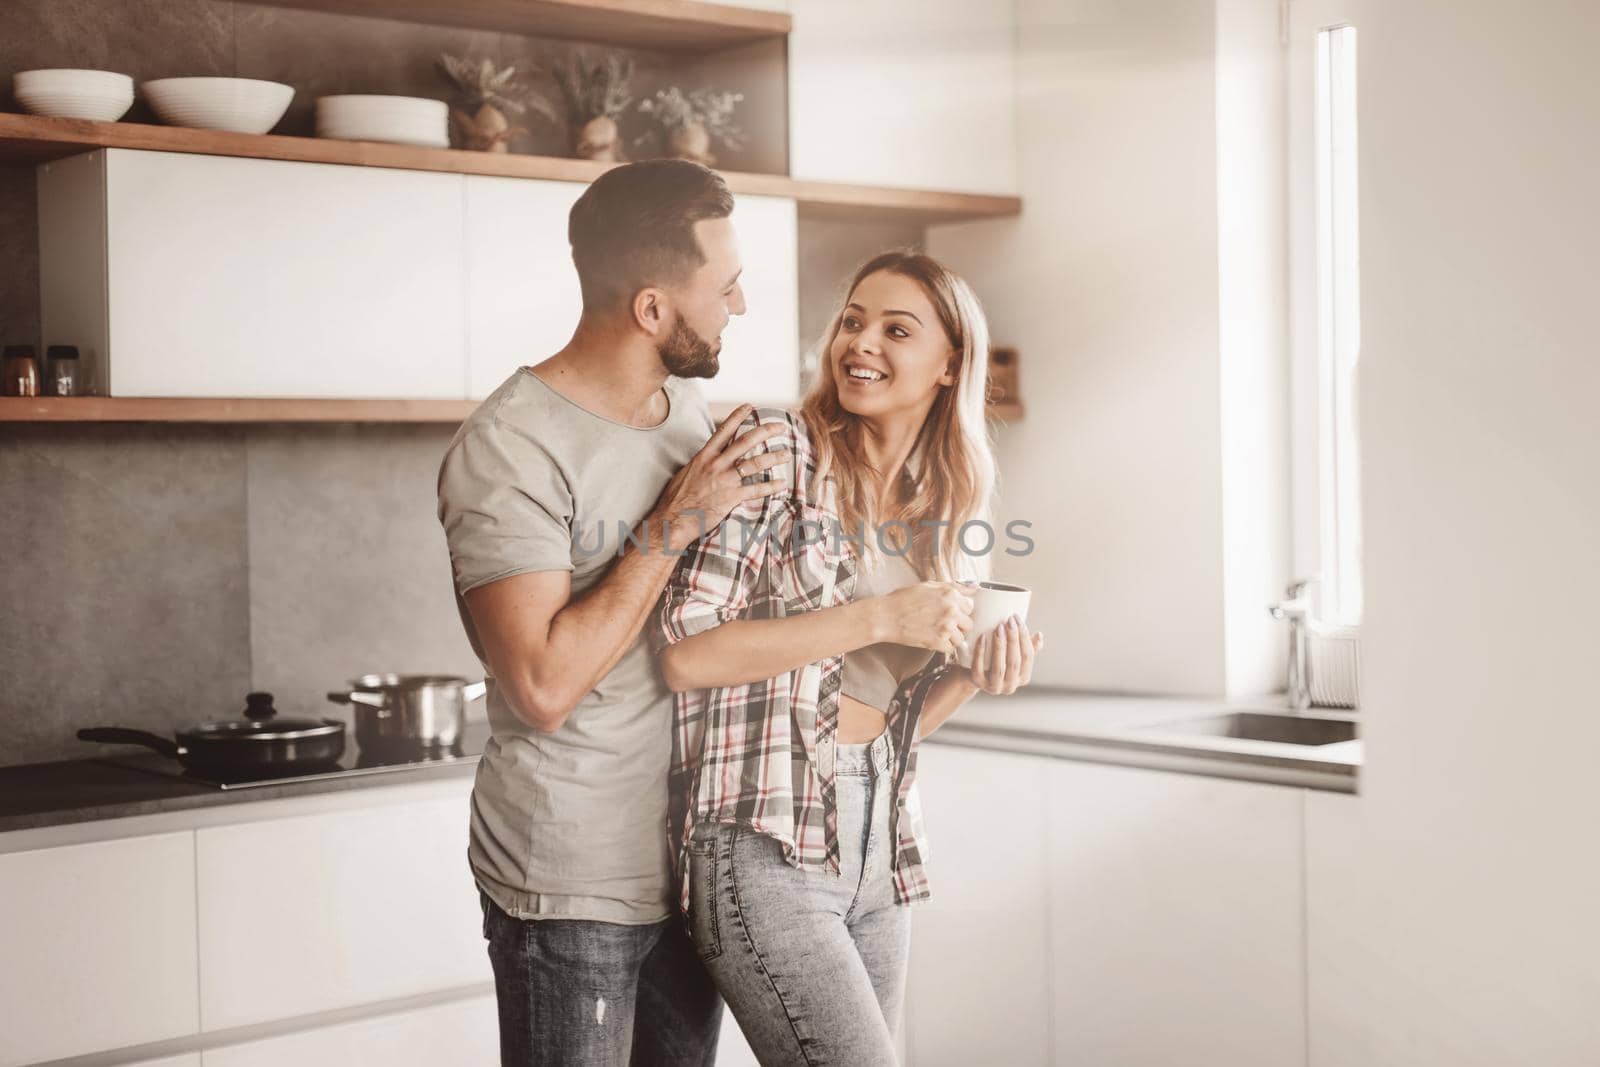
[409, 120]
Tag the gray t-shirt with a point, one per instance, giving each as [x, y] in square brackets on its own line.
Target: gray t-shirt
[570, 824]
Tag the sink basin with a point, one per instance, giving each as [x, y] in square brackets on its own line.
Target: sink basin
[1265, 726]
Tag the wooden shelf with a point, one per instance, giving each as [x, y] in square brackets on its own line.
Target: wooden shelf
[251, 410]
[216, 409]
[33, 139]
[659, 25]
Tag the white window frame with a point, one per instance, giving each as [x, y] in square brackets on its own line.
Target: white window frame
[1324, 307]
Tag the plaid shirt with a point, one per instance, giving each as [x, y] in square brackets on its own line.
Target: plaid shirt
[760, 754]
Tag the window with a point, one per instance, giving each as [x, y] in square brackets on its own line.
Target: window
[1326, 346]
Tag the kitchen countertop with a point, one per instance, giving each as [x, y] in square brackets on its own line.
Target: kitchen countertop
[1090, 727]
[1148, 732]
[37, 795]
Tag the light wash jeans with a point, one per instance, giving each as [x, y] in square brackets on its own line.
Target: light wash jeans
[812, 965]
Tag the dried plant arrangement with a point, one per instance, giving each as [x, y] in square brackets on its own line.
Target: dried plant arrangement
[689, 122]
[595, 92]
[488, 91]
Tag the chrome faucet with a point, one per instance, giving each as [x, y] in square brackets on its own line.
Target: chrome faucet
[1297, 609]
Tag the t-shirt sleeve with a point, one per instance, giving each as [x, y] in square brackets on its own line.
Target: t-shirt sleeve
[505, 505]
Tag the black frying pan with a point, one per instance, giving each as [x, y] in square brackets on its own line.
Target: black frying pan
[260, 744]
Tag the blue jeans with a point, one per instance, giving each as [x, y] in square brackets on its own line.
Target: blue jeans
[572, 991]
[812, 964]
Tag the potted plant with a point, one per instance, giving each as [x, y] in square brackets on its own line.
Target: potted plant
[487, 90]
[595, 94]
[689, 122]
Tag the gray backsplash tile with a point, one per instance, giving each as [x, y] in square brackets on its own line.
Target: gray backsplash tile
[124, 575]
[349, 573]
[152, 575]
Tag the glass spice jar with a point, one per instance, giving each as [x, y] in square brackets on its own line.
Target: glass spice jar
[19, 371]
[63, 375]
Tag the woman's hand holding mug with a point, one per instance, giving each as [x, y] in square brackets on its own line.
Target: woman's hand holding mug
[999, 654]
[932, 615]
[1002, 659]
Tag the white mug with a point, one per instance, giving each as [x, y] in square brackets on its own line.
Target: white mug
[993, 603]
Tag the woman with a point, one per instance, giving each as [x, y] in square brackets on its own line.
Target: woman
[806, 640]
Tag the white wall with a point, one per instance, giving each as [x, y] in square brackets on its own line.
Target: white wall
[903, 92]
[1142, 286]
[1456, 905]
[1253, 340]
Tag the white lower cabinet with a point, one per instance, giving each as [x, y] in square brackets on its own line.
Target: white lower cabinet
[97, 947]
[1342, 1001]
[331, 910]
[979, 986]
[462, 1033]
[1176, 920]
[1096, 916]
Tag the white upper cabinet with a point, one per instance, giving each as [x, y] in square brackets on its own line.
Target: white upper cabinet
[760, 360]
[522, 290]
[215, 276]
[904, 93]
[523, 298]
[200, 276]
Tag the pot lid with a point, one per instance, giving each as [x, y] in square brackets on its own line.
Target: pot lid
[405, 681]
[261, 723]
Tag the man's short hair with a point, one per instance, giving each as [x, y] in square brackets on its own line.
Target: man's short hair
[634, 227]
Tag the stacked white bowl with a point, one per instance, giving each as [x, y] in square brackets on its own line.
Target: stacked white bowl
[409, 120]
[99, 95]
[242, 105]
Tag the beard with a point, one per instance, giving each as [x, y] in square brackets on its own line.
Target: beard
[686, 354]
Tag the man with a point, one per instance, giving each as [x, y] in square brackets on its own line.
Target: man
[568, 843]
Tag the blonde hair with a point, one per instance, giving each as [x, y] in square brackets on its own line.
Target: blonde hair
[950, 473]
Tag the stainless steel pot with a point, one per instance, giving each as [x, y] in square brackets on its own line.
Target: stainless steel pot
[401, 713]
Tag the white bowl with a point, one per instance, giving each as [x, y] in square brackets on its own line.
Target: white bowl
[240, 105]
[98, 95]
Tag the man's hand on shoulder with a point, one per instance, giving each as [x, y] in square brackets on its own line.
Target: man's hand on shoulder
[707, 488]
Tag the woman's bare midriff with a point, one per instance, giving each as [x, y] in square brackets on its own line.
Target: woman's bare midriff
[858, 722]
